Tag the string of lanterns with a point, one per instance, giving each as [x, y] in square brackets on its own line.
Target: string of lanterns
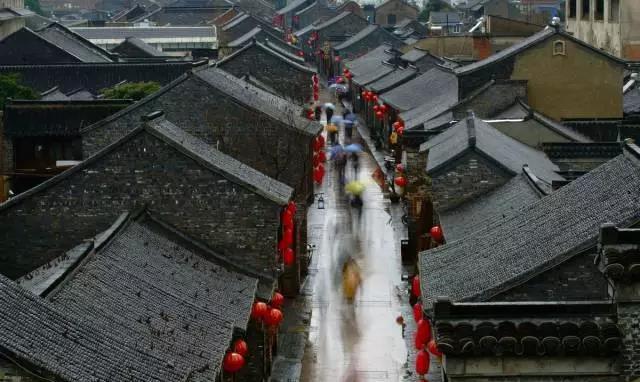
[319, 157]
[286, 242]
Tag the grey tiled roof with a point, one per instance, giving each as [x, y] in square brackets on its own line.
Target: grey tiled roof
[35, 330]
[332, 20]
[141, 46]
[121, 33]
[490, 208]
[222, 163]
[537, 238]
[159, 295]
[632, 100]
[413, 93]
[76, 45]
[257, 45]
[292, 6]
[374, 74]
[235, 21]
[393, 79]
[413, 55]
[444, 18]
[432, 108]
[273, 106]
[357, 37]
[307, 8]
[305, 30]
[245, 38]
[504, 150]
[364, 64]
[36, 22]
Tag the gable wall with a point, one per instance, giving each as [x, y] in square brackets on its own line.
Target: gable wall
[574, 280]
[144, 171]
[564, 87]
[348, 26]
[467, 178]
[244, 134]
[397, 7]
[497, 98]
[23, 48]
[367, 44]
[289, 82]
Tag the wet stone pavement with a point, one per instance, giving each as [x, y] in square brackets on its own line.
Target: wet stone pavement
[360, 341]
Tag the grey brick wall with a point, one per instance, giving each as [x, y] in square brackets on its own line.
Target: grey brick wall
[629, 323]
[469, 177]
[575, 280]
[6, 149]
[270, 147]
[231, 220]
[289, 82]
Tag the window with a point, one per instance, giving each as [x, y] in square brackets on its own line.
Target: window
[455, 28]
[559, 48]
[599, 13]
[391, 19]
[586, 9]
[572, 9]
[614, 12]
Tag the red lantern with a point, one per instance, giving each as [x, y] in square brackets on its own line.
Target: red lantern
[288, 236]
[240, 347]
[400, 181]
[315, 79]
[349, 76]
[317, 175]
[396, 125]
[277, 300]
[415, 286]
[259, 310]
[233, 362]
[379, 115]
[300, 53]
[383, 108]
[345, 71]
[417, 342]
[282, 245]
[400, 130]
[316, 96]
[399, 167]
[417, 311]
[287, 217]
[322, 157]
[273, 317]
[374, 97]
[288, 257]
[436, 234]
[422, 362]
[432, 346]
[316, 160]
[424, 331]
[376, 108]
[316, 87]
[337, 59]
[363, 94]
[292, 207]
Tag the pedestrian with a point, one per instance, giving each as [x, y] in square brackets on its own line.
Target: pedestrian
[351, 280]
[341, 164]
[355, 162]
[318, 113]
[329, 113]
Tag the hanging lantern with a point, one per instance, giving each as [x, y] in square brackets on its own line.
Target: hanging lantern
[422, 362]
[337, 59]
[436, 234]
[417, 311]
[315, 79]
[400, 130]
[277, 300]
[321, 141]
[383, 108]
[424, 330]
[316, 87]
[233, 362]
[396, 125]
[287, 217]
[432, 346]
[374, 97]
[399, 167]
[345, 71]
[317, 175]
[273, 317]
[259, 310]
[300, 53]
[400, 181]
[322, 157]
[291, 206]
[417, 342]
[363, 95]
[288, 236]
[240, 347]
[415, 285]
[316, 160]
[316, 96]
[379, 115]
[376, 108]
[288, 257]
[282, 245]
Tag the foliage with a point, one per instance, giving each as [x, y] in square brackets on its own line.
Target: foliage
[34, 6]
[11, 87]
[133, 90]
[432, 6]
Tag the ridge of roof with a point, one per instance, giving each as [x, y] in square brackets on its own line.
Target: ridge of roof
[303, 10]
[357, 37]
[333, 20]
[268, 50]
[235, 21]
[143, 46]
[221, 163]
[404, 97]
[290, 7]
[69, 34]
[245, 37]
[51, 43]
[538, 238]
[556, 126]
[402, 1]
[278, 49]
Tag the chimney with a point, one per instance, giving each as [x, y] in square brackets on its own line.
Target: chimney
[471, 128]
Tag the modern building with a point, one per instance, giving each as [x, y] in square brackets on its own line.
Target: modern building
[611, 25]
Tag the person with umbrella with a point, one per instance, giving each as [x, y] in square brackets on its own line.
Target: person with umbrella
[328, 110]
[354, 149]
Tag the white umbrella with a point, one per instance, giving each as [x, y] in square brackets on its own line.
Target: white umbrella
[329, 105]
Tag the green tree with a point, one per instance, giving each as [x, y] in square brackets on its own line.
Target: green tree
[11, 87]
[432, 6]
[133, 90]
[34, 5]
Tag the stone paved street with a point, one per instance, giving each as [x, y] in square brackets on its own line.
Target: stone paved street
[362, 343]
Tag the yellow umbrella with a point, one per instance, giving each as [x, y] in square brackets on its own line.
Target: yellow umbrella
[331, 128]
[355, 187]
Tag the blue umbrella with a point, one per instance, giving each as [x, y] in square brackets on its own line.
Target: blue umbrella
[336, 119]
[336, 150]
[348, 122]
[353, 148]
[351, 117]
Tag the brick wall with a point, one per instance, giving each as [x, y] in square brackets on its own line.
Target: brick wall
[268, 146]
[575, 280]
[469, 177]
[230, 219]
[629, 323]
[289, 82]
